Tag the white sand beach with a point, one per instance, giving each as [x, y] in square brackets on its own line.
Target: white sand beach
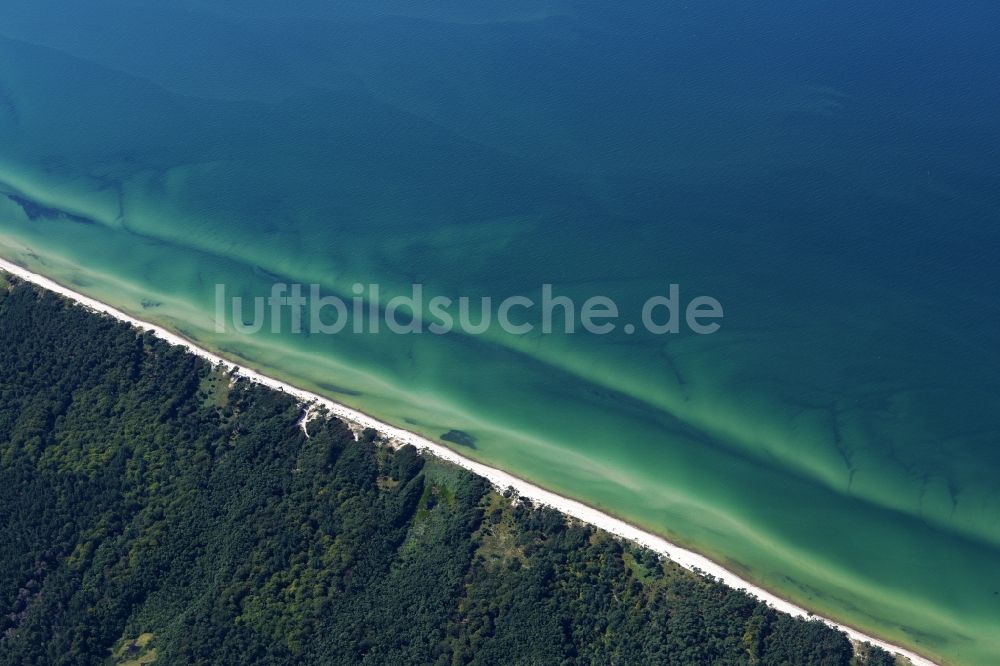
[398, 437]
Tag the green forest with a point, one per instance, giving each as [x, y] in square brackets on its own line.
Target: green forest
[153, 508]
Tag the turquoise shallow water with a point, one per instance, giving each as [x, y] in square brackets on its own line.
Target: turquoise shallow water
[829, 175]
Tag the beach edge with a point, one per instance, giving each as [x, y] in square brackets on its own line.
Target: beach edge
[500, 479]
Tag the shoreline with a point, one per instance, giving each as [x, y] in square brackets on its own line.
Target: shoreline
[358, 420]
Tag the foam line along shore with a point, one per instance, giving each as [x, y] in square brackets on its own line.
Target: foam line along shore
[499, 478]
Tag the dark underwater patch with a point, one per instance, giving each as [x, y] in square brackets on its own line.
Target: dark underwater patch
[36, 211]
[460, 437]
